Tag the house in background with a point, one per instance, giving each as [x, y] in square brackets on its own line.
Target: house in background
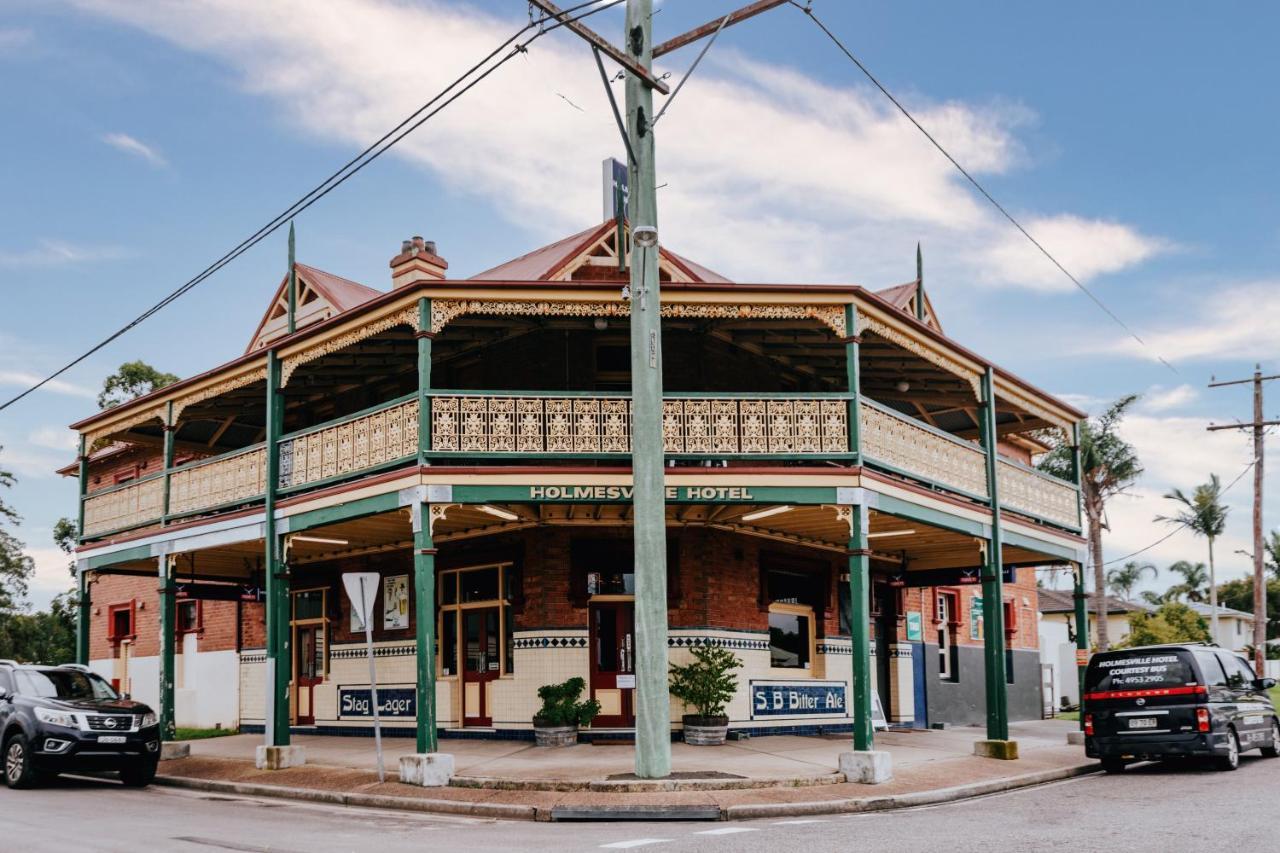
[1058, 638]
[1235, 627]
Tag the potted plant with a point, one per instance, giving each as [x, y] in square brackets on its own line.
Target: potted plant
[706, 684]
[557, 721]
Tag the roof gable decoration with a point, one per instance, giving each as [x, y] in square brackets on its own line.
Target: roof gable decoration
[320, 295]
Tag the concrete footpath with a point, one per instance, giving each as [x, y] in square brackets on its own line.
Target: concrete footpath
[762, 777]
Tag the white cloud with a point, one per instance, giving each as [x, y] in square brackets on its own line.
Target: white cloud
[135, 147]
[57, 386]
[54, 438]
[1086, 247]
[54, 253]
[1231, 321]
[1161, 399]
[51, 576]
[833, 177]
[12, 38]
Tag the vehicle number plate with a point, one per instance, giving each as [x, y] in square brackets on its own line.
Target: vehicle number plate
[1142, 723]
[111, 738]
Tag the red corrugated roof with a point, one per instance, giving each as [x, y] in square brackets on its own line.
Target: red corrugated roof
[342, 293]
[899, 295]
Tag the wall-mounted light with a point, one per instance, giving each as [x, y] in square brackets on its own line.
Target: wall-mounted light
[765, 513]
[903, 386]
[644, 236]
[505, 515]
[600, 323]
[319, 540]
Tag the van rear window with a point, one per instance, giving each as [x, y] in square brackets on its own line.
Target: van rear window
[1139, 670]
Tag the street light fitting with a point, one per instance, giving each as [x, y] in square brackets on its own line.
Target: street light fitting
[644, 236]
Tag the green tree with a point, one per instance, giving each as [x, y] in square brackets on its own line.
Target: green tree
[1271, 547]
[1194, 579]
[1174, 622]
[1204, 514]
[65, 535]
[1109, 465]
[133, 379]
[1238, 594]
[1123, 580]
[46, 636]
[16, 569]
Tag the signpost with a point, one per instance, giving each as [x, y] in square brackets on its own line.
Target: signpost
[361, 588]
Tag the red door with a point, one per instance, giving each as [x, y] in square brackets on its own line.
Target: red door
[310, 670]
[613, 678]
[481, 663]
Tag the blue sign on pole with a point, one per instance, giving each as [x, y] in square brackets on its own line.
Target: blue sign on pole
[392, 702]
[788, 699]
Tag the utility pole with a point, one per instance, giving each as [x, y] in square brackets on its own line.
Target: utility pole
[649, 525]
[1259, 576]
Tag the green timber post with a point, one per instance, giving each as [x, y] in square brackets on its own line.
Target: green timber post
[82, 619]
[424, 590]
[170, 428]
[293, 284]
[860, 627]
[653, 704]
[853, 373]
[992, 577]
[1082, 629]
[279, 663]
[84, 610]
[424, 337]
[919, 284]
[168, 634]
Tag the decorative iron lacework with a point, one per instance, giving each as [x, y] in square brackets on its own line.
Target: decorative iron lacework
[378, 652]
[404, 317]
[93, 437]
[910, 447]
[364, 442]
[929, 354]
[445, 310]
[550, 642]
[493, 424]
[223, 481]
[738, 643]
[258, 374]
[130, 506]
[1037, 495]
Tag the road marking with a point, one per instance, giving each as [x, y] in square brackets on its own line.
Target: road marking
[635, 842]
[796, 822]
[728, 830]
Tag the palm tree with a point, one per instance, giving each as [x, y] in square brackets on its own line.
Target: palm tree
[1194, 577]
[1108, 466]
[1204, 515]
[1155, 599]
[1271, 548]
[1123, 580]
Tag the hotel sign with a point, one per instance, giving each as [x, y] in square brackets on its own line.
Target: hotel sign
[592, 493]
[624, 493]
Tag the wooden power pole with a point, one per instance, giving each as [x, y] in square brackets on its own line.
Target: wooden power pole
[1258, 425]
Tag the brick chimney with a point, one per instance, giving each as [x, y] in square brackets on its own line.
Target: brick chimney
[417, 262]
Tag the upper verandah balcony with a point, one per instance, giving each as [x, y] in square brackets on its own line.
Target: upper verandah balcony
[529, 363]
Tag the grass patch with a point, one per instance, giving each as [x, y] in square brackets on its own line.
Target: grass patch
[202, 734]
[1069, 715]
[1275, 695]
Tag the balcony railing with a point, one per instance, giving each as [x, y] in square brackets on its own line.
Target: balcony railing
[232, 478]
[131, 505]
[600, 425]
[531, 425]
[355, 443]
[918, 450]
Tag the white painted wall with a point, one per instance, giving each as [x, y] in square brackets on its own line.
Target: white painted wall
[207, 692]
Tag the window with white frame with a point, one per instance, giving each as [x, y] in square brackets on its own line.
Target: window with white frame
[946, 618]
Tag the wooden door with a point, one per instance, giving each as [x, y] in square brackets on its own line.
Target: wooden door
[308, 670]
[481, 663]
[613, 670]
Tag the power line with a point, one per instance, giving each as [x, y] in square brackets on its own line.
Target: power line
[375, 150]
[808, 10]
[1178, 528]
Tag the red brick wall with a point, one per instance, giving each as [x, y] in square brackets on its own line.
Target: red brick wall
[138, 461]
[218, 618]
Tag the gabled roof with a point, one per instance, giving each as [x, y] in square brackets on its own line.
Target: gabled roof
[903, 297]
[321, 295]
[561, 259]
[1056, 601]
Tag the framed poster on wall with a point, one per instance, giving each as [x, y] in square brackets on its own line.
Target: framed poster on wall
[975, 618]
[395, 602]
[915, 626]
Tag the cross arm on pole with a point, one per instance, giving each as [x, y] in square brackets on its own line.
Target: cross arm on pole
[1249, 425]
[600, 43]
[710, 27]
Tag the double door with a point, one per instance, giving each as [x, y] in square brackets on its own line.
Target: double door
[613, 673]
[481, 663]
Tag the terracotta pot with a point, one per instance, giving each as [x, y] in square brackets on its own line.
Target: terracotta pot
[552, 736]
[705, 731]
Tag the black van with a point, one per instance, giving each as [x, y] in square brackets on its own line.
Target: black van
[1176, 701]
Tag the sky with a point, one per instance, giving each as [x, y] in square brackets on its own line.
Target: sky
[142, 140]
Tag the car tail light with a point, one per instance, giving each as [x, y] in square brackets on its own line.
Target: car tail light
[1088, 724]
[1202, 719]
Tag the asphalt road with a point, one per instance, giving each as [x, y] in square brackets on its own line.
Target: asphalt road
[1150, 807]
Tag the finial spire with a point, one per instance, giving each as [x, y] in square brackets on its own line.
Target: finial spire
[919, 284]
[293, 281]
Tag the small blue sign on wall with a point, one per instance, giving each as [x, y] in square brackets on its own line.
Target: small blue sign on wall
[392, 702]
[790, 699]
